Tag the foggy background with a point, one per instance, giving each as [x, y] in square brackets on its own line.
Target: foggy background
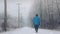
[48, 11]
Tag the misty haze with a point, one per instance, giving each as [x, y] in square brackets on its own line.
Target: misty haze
[19, 13]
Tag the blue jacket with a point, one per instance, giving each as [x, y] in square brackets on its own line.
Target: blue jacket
[36, 20]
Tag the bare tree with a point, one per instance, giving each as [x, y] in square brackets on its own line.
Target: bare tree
[41, 11]
[4, 24]
[58, 7]
[51, 20]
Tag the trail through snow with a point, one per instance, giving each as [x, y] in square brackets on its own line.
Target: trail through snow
[28, 30]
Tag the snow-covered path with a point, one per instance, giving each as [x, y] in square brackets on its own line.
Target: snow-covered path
[28, 30]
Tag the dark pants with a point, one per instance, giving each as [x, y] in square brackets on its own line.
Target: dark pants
[36, 27]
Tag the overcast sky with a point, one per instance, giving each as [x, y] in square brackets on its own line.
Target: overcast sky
[12, 6]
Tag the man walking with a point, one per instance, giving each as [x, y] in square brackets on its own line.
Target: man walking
[36, 22]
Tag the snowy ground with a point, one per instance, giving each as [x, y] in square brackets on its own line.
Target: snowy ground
[28, 30]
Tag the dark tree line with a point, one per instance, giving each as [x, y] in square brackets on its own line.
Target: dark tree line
[51, 24]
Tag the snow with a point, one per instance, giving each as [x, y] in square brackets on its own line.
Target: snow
[28, 30]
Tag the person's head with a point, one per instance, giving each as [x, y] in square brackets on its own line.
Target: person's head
[36, 14]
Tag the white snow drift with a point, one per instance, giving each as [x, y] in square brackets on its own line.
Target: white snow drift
[28, 30]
